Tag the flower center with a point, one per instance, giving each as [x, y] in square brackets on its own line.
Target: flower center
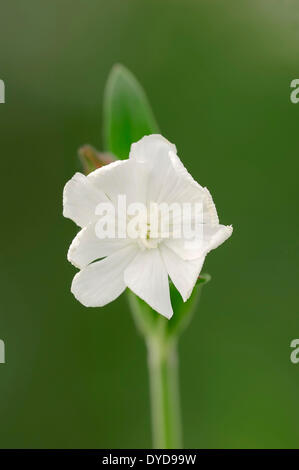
[146, 238]
[148, 226]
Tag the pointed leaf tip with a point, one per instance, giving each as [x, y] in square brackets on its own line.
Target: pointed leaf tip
[127, 113]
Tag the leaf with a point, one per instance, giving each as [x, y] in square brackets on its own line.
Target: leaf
[183, 311]
[146, 319]
[150, 323]
[127, 112]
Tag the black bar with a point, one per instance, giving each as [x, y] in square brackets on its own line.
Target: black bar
[134, 458]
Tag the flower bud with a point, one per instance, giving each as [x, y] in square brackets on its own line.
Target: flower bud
[91, 159]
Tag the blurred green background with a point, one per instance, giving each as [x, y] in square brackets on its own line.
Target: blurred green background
[218, 77]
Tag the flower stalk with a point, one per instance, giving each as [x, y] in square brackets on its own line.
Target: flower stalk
[161, 338]
[164, 391]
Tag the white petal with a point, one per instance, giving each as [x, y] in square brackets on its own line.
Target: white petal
[168, 180]
[123, 177]
[103, 281]
[150, 148]
[183, 249]
[80, 199]
[211, 216]
[213, 236]
[183, 274]
[87, 247]
[147, 277]
[152, 152]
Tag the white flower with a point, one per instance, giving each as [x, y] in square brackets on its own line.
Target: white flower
[152, 174]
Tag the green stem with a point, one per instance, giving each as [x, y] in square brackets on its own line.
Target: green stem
[161, 337]
[164, 386]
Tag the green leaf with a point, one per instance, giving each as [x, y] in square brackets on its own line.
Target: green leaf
[150, 323]
[183, 311]
[127, 112]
